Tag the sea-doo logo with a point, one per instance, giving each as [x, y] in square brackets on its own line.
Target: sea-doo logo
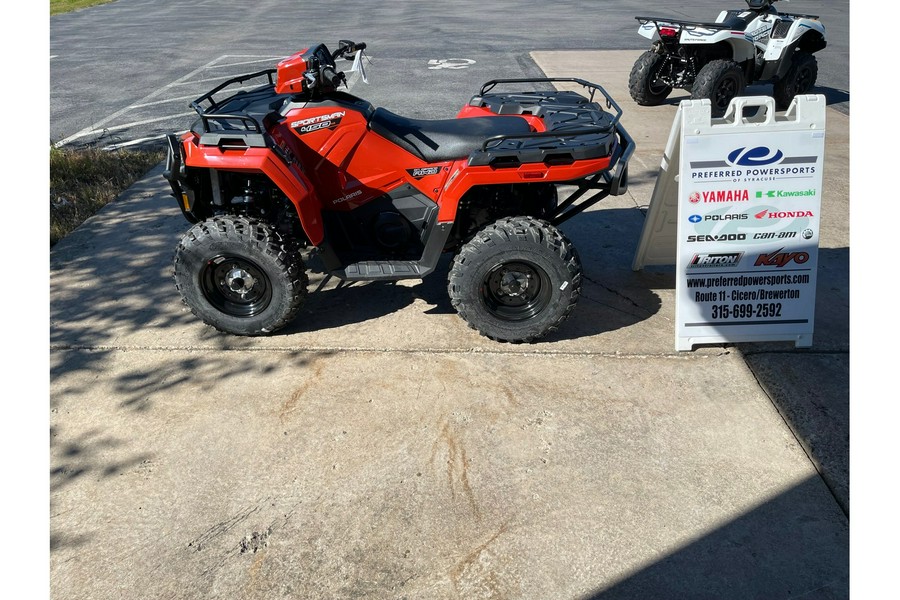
[725, 237]
[715, 259]
[783, 214]
[423, 172]
[780, 259]
[311, 124]
[695, 218]
[807, 234]
[754, 157]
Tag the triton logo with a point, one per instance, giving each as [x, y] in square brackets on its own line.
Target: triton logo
[695, 218]
[718, 259]
[755, 157]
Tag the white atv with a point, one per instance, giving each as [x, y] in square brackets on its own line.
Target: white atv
[718, 60]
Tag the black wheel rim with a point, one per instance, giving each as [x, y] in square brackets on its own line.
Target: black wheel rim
[516, 291]
[725, 91]
[236, 286]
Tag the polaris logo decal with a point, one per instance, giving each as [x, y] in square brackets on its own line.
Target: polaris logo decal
[423, 172]
[695, 218]
[349, 196]
[780, 259]
[727, 217]
[330, 121]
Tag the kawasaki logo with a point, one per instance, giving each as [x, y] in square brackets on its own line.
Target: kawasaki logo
[785, 194]
[784, 214]
[780, 259]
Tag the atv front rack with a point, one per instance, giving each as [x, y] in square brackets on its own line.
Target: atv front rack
[228, 114]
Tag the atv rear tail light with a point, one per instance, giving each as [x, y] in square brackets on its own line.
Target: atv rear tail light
[668, 32]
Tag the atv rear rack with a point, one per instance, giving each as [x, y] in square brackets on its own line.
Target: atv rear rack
[682, 23]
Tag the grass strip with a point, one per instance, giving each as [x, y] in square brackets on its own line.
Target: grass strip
[82, 181]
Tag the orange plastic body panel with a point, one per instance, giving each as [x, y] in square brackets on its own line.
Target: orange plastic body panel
[290, 73]
[290, 179]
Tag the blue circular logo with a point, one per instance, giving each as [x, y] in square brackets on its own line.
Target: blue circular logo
[695, 218]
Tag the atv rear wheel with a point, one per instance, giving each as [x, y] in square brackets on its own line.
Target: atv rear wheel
[516, 280]
[720, 81]
[799, 79]
[643, 83]
[239, 275]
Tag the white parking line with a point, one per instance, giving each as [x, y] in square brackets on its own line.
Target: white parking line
[98, 126]
[269, 59]
[146, 121]
[166, 101]
[131, 143]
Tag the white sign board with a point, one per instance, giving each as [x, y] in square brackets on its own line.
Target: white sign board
[747, 222]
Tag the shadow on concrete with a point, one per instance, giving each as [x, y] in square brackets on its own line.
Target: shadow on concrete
[796, 545]
[833, 97]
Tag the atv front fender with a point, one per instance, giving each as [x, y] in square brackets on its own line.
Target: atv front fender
[288, 177]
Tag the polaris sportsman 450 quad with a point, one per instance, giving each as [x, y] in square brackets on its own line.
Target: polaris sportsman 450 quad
[271, 174]
[718, 60]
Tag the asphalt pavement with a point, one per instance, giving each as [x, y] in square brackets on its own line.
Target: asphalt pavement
[380, 448]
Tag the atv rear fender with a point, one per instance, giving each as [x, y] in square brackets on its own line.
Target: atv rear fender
[285, 175]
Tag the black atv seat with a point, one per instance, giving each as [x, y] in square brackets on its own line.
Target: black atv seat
[734, 21]
[445, 139]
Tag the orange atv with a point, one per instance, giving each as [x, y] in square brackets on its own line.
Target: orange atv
[269, 173]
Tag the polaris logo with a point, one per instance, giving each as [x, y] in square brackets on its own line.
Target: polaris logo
[755, 157]
[695, 218]
[726, 217]
[717, 259]
[783, 214]
[780, 259]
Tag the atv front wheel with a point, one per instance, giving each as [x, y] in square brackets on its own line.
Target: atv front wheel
[799, 79]
[644, 84]
[516, 280]
[239, 275]
[720, 81]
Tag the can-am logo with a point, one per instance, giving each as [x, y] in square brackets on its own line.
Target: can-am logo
[329, 121]
[783, 214]
[754, 157]
[720, 196]
[423, 172]
[715, 259]
[780, 259]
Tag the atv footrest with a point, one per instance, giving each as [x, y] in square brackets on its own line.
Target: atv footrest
[381, 269]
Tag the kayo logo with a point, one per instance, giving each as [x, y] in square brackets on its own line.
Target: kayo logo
[779, 258]
[755, 157]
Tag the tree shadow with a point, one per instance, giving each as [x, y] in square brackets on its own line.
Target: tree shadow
[795, 545]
